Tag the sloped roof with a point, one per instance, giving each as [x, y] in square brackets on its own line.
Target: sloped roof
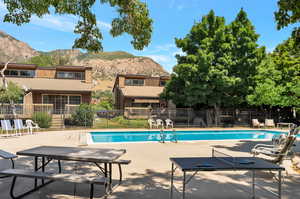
[142, 91]
[51, 84]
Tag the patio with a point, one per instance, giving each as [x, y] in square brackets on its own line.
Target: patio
[148, 176]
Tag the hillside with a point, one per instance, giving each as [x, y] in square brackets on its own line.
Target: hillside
[14, 50]
[106, 65]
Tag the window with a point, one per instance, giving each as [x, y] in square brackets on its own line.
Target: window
[70, 75]
[134, 82]
[19, 73]
[74, 99]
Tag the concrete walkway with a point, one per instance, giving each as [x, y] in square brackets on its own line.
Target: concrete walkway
[148, 176]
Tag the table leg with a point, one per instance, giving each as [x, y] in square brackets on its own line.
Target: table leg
[43, 168]
[253, 184]
[35, 169]
[183, 185]
[279, 184]
[59, 166]
[105, 174]
[110, 175]
[172, 176]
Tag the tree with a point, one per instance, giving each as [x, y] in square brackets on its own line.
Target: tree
[278, 78]
[105, 100]
[218, 61]
[246, 53]
[133, 19]
[289, 13]
[9, 91]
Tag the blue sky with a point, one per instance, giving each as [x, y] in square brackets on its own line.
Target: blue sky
[172, 19]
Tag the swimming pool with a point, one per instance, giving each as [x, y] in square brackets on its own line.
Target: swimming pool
[148, 136]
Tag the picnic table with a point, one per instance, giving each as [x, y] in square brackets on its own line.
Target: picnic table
[103, 158]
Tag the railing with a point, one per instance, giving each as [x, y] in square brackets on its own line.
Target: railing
[70, 108]
[25, 110]
[137, 113]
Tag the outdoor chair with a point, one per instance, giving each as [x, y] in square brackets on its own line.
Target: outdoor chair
[152, 123]
[277, 152]
[169, 123]
[18, 123]
[269, 123]
[30, 125]
[256, 123]
[160, 123]
[6, 126]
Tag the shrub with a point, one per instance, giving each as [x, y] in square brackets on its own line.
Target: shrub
[43, 119]
[83, 115]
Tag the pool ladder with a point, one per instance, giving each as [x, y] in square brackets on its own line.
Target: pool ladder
[163, 136]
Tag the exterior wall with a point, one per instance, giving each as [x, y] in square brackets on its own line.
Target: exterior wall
[152, 82]
[86, 98]
[88, 76]
[121, 82]
[44, 73]
[28, 98]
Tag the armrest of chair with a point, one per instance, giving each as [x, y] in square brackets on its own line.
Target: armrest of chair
[263, 145]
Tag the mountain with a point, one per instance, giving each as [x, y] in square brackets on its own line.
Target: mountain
[14, 50]
[106, 65]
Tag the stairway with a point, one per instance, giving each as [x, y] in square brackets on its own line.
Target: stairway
[57, 121]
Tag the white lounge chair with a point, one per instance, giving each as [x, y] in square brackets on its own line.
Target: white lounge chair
[256, 123]
[269, 123]
[152, 123]
[31, 125]
[169, 123]
[278, 151]
[7, 127]
[160, 123]
[18, 123]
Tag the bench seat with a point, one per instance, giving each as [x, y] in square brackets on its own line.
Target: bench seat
[121, 162]
[7, 155]
[56, 177]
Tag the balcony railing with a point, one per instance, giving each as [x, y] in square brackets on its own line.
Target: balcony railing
[25, 110]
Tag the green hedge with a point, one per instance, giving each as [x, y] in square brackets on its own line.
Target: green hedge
[43, 119]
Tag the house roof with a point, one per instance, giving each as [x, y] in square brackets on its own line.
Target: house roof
[142, 91]
[51, 84]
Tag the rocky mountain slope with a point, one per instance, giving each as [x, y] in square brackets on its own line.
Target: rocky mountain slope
[106, 65]
[13, 49]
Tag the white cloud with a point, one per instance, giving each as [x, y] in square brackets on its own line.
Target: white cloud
[270, 49]
[60, 23]
[160, 58]
[104, 25]
[2, 6]
[179, 52]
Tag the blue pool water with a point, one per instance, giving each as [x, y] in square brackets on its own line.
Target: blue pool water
[146, 136]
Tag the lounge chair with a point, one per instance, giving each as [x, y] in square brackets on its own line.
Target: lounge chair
[6, 126]
[256, 123]
[152, 123]
[18, 123]
[31, 125]
[269, 123]
[277, 152]
[160, 123]
[169, 123]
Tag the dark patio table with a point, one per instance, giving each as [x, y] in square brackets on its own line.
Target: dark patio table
[97, 156]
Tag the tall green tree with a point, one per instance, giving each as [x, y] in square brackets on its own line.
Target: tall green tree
[278, 78]
[289, 13]
[218, 64]
[133, 19]
[246, 55]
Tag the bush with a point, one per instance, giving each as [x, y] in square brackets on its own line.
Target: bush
[43, 119]
[83, 115]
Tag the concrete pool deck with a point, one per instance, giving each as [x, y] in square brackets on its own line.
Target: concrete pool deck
[148, 176]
